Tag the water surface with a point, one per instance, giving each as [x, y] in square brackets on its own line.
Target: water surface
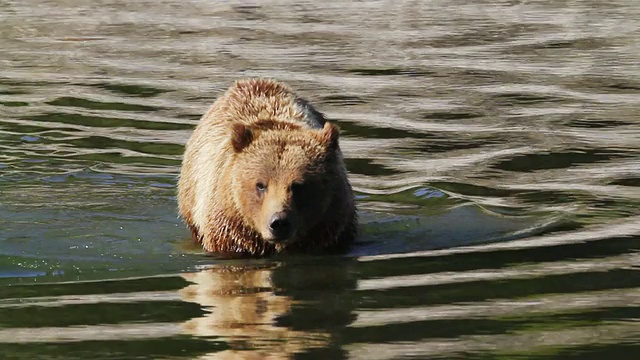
[494, 147]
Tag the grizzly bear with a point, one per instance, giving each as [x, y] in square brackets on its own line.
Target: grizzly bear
[263, 174]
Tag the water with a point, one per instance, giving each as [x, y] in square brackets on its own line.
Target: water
[494, 147]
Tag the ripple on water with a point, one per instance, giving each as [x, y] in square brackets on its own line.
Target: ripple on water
[493, 147]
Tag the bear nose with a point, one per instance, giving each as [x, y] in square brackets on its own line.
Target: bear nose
[279, 225]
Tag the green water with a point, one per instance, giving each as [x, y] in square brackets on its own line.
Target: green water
[494, 147]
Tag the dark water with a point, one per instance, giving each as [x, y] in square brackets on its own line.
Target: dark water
[494, 146]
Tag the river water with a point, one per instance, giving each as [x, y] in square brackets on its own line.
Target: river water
[494, 147]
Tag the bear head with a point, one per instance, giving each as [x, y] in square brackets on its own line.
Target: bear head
[284, 177]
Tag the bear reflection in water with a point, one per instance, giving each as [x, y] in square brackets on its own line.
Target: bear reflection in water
[261, 312]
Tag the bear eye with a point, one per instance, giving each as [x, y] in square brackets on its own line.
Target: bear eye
[261, 187]
[297, 187]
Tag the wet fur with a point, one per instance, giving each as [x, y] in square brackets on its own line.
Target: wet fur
[253, 115]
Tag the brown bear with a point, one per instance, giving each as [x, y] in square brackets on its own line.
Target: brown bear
[263, 173]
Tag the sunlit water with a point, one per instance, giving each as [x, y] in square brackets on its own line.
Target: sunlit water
[494, 147]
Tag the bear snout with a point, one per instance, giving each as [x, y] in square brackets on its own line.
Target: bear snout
[280, 226]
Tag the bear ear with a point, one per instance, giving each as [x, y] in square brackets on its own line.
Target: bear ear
[241, 136]
[329, 135]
